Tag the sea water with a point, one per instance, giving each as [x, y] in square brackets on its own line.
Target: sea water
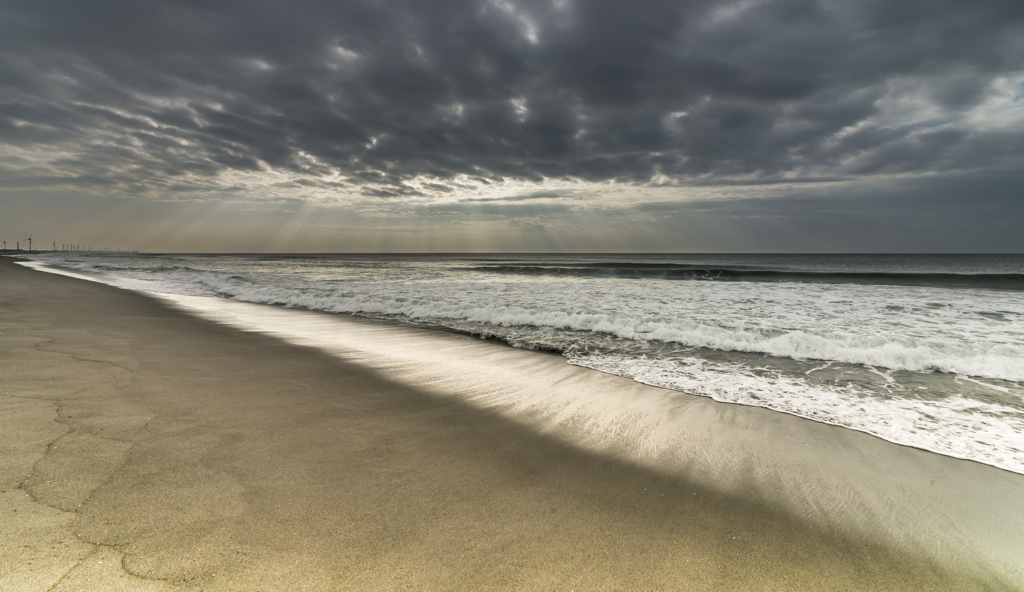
[921, 350]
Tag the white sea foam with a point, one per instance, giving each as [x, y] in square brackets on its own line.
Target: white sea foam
[919, 329]
[653, 331]
[954, 426]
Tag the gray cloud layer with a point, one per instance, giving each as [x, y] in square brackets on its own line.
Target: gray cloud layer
[143, 96]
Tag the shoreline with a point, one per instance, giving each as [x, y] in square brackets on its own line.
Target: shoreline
[209, 457]
[971, 441]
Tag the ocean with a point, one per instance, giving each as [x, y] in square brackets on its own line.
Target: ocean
[920, 350]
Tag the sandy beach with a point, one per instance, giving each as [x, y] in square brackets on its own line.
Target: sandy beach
[145, 449]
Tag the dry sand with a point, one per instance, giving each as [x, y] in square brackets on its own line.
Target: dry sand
[144, 449]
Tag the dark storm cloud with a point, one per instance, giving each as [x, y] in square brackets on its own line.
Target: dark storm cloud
[141, 96]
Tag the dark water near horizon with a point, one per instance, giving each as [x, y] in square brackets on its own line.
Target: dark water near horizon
[923, 350]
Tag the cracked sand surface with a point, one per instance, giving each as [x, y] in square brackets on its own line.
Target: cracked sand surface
[51, 464]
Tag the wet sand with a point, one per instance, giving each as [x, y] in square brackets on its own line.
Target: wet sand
[145, 449]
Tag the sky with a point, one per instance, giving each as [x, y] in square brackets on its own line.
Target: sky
[548, 125]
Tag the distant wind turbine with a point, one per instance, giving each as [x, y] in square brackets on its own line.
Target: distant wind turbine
[30, 241]
[54, 245]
